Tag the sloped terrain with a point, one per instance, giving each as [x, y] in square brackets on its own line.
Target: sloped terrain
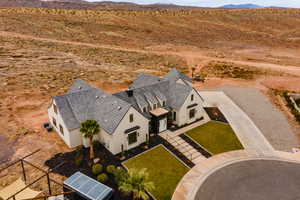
[42, 51]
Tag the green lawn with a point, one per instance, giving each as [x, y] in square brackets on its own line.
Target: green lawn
[216, 137]
[165, 171]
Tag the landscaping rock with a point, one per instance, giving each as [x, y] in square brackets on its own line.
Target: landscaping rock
[96, 160]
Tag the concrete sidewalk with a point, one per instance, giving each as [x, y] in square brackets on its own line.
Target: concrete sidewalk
[247, 132]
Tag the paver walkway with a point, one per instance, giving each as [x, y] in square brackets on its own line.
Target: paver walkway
[247, 132]
[186, 149]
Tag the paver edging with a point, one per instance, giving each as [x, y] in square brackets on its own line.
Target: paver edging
[198, 144]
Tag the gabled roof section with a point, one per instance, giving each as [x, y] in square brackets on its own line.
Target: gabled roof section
[175, 75]
[89, 102]
[140, 100]
[66, 112]
[80, 85]
[178, 94]
[143, 80]
[160, 95]
[174, 94]
[150, 97]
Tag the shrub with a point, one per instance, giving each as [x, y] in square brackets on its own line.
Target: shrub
[110, 169]
[78, 159]
[120, 175]
[96, 145]
[79, 150]
[102, 178]
[97, 169]
[291, 106]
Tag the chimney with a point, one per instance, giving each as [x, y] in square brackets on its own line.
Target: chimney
[129, 92]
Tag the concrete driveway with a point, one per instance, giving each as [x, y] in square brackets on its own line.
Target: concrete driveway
[248, 133]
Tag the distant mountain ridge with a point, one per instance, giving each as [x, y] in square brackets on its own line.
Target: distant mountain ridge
[81, 4]
[248, 5]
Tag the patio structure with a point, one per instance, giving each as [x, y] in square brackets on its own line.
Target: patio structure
[87, 188]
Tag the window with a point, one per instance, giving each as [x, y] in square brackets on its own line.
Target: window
[174, 116]
[61, 129]
[131, 118]
[55, 108]
[132, 138]
[164, 103]
[192, 97]
[54, 121]
[154, 106]
[192, 113]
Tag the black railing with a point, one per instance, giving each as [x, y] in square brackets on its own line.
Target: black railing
[45, 174]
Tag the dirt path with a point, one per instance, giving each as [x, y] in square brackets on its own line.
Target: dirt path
[193, 58]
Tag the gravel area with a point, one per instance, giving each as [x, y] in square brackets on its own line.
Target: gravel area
[266, 117]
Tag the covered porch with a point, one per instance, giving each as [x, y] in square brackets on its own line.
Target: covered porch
[159, 120]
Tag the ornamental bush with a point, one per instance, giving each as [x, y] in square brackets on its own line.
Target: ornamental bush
[78, 159]
[102, 177]
[97, 169]
[96, 145]
[110, 169]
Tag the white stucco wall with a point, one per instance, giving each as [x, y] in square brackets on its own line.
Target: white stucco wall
[66, 136]
[183, 113]
[114, 142]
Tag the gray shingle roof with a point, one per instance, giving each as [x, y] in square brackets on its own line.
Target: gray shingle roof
[84, 101]
[140, 100]
[143, 80]
[79, 85]
[91, 103]
[174, 94]
[174, 75]
[178, 94]
[149, 96]
[159, 95]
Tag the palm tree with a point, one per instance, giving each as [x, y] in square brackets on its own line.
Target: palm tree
[89, 128]
[136, 183]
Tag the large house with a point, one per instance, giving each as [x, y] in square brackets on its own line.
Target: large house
[151, 105]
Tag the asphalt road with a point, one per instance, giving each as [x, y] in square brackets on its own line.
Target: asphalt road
[253, 180]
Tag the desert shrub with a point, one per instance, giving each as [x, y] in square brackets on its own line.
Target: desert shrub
[102, 177]
[297, 102]
[96, 145]
[97, 169]
[110, 169]
[290, 104]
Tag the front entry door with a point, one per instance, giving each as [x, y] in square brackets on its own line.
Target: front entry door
[162, 125]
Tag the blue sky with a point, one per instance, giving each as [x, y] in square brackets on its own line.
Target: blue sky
[216, 3]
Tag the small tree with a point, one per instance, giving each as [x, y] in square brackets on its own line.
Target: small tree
[89, 129]
[137, 183]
